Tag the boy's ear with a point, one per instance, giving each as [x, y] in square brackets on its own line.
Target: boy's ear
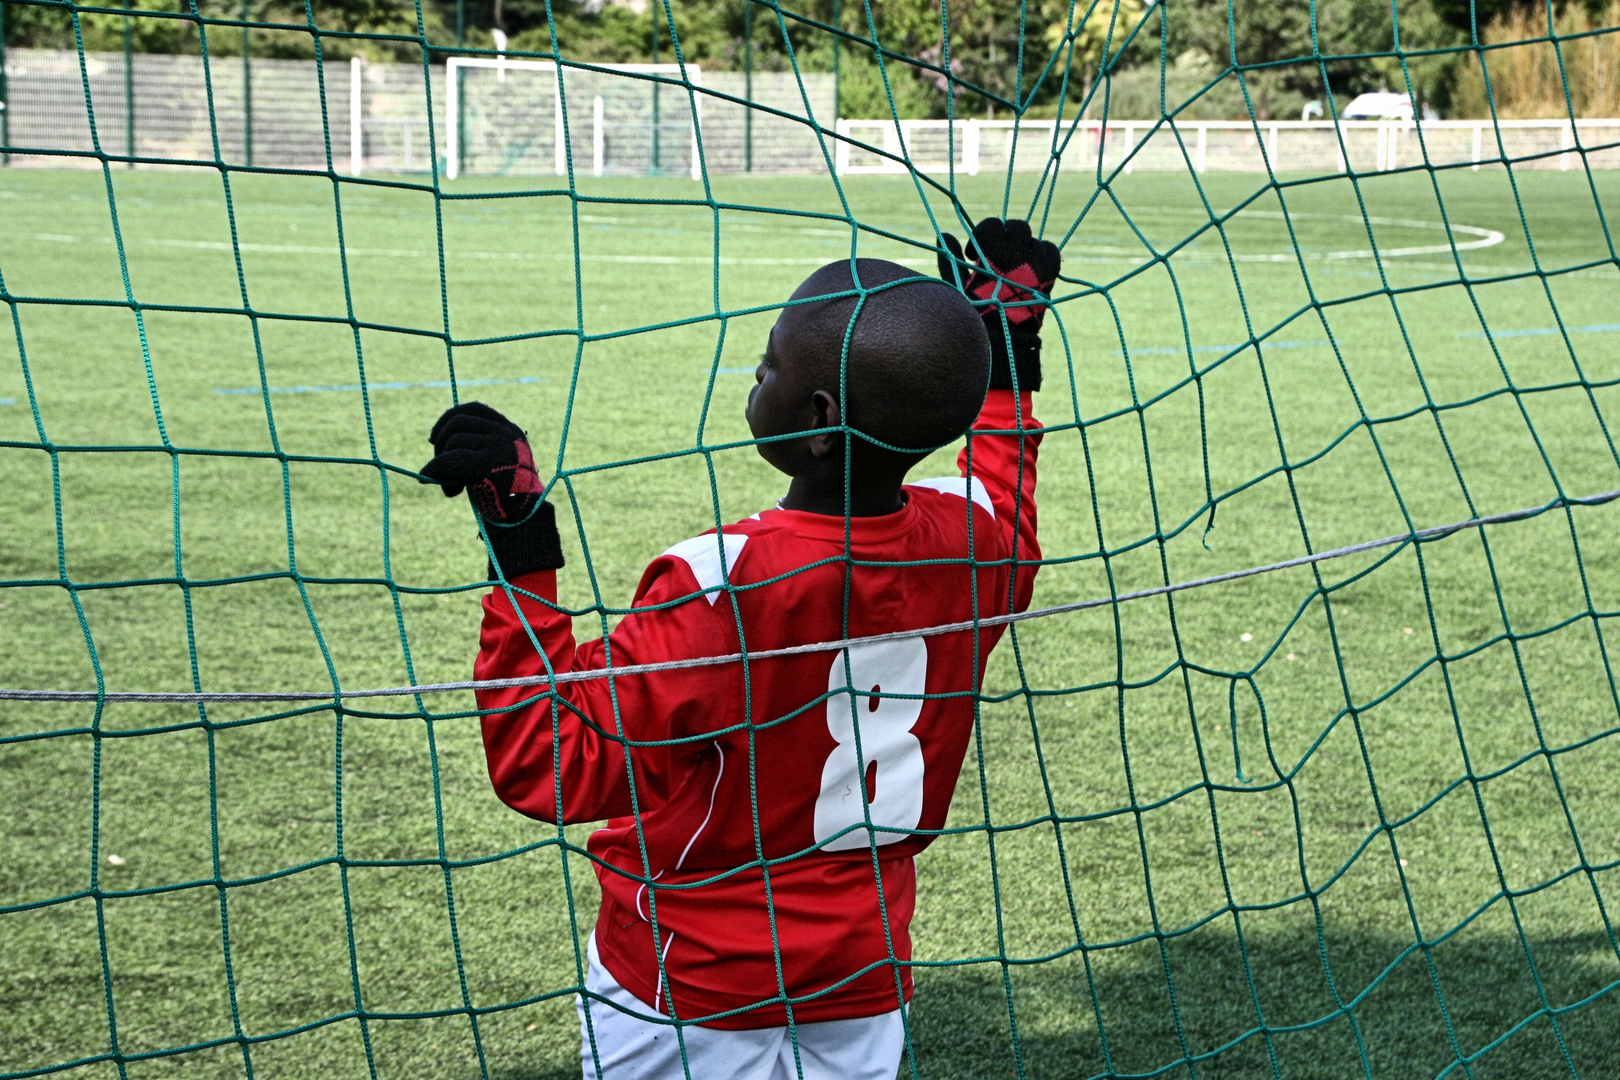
[824, 409]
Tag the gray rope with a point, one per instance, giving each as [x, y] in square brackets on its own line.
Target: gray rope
[793, 650]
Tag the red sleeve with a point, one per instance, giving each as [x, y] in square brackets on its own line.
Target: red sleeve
[567, 748]
[1005, 465]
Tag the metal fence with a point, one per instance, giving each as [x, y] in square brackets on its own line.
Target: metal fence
[633, 120]
[159, 108]
[356, 117]
[1315, 146]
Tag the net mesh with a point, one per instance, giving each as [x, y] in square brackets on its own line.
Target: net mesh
[1350, 818]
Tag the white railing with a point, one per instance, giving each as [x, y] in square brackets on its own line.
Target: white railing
[898, 141]
[691, 73]
[390, 118]
[937, 146]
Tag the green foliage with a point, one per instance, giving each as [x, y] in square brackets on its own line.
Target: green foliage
[52, 28]
[862, 93]
[1250, 33]
[1191, 90]
[1529, 79]
[1462, 14]
[615, 34]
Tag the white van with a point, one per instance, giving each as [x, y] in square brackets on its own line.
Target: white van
[1384, 105]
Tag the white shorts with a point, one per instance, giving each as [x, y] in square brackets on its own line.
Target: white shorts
[633, 1048]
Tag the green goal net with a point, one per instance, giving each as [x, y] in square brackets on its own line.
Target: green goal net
[1305, 763]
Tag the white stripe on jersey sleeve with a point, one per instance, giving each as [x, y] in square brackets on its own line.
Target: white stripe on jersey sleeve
[702, 555]
[958, 486]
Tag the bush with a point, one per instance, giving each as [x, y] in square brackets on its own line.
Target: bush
[1525, 80]
[861, 94]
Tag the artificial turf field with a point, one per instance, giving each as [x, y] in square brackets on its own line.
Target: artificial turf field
[1383, 797]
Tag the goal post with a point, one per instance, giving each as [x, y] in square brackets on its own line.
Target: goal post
[456, 98]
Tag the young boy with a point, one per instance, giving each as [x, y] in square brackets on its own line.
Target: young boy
[753, 785]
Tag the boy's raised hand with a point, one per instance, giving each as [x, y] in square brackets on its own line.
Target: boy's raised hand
[478, 449]
[481, 451]
[1008, 264]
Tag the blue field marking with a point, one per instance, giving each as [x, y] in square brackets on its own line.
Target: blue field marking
[8, 401]
[1545, 331]
[1181, 350]
[737, 370]
[351, 387]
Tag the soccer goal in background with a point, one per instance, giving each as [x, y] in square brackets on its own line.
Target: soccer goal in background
[517, 116]
[620, 120]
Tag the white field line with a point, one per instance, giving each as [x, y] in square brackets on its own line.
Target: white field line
[1094, 253]
[411, 253]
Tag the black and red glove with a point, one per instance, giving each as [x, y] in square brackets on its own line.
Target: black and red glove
[1009, 278]
[477, 449]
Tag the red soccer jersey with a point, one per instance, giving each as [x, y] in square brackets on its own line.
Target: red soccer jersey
[716, 749]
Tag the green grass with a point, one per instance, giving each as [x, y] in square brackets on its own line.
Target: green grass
[1343, 716]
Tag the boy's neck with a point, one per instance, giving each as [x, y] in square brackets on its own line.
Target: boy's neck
[826, 496]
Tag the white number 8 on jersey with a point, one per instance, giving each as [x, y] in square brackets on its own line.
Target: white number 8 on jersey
[891, 753]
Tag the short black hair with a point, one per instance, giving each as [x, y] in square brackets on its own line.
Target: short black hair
[919, 356]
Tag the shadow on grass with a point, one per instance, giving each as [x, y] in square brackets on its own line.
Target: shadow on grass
[1397, 1028]
[962, 1026]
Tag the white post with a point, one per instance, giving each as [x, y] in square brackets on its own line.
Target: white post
[1338, 146]
[695, 76]
[970, 148]
[1271, 147]
[357, 146]
[1130, 141]
[841, 148]
[500, 54]
[1394, 136]
[452, 162]
[891, 146]
[1203, 132]
[596, 136]
[1478, 130]
[1566, 139]
[558, 127]
[563, 162]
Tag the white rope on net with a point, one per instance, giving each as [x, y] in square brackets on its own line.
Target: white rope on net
[630, 670]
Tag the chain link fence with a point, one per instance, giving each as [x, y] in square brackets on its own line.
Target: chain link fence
[356, 117]
[158, 109]
[303, 115]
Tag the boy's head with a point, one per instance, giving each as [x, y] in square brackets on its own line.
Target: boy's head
[918, 364]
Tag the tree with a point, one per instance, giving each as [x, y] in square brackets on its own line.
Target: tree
[1461, 13]
[1090, 34]
[1243, 33]
[52, 28]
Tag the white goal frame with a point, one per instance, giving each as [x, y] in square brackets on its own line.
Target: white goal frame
[693, 75]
